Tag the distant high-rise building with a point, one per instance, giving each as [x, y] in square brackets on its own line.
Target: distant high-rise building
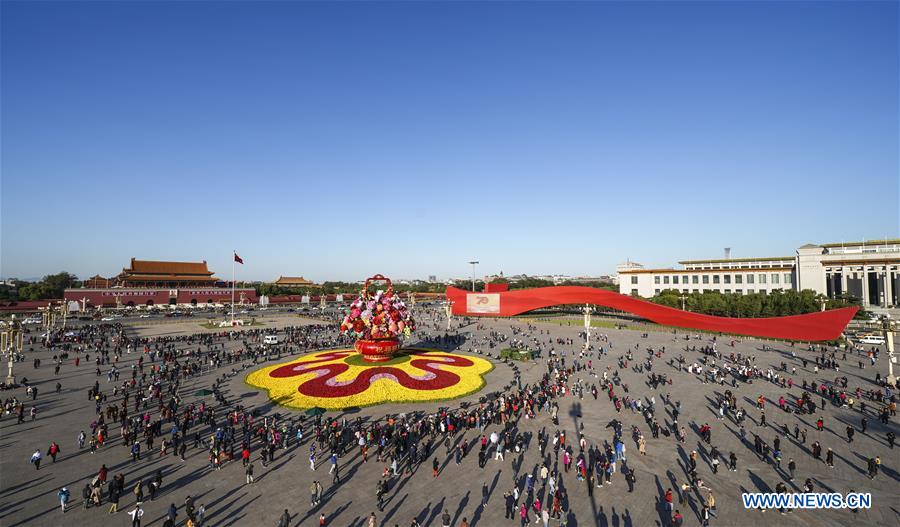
[432, 278]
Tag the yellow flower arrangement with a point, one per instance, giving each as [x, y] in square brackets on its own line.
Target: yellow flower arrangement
[341, 379]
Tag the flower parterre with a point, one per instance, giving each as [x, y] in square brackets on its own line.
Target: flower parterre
[381, 316]
[423, 376]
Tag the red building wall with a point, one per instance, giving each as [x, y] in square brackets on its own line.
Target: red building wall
[203, 295]
[159, 296]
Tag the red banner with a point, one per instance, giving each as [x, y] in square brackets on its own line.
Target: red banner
[824, 325]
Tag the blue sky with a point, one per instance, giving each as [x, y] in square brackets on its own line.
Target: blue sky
[336, 140]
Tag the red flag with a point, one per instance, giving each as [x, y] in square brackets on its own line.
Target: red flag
[238, 259]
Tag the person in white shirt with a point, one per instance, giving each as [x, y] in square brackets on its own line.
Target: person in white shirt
[36, 459]
[136, 514]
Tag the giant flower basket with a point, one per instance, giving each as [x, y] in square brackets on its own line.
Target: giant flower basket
[378, 321]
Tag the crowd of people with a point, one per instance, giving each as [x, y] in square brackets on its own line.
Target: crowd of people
[144, 410]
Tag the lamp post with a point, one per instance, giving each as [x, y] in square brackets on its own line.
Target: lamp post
[888, 328]
[49, 323]
[473, 263]
[587, 326]
[11, 344]
[683, 298]
[448, 308]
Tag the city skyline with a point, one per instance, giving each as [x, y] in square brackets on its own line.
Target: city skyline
[675, 265]
[317, 140]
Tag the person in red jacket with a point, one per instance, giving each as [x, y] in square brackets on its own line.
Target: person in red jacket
[669, 499]
[53, 450]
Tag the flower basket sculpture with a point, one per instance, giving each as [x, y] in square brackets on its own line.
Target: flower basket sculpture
[378, 321]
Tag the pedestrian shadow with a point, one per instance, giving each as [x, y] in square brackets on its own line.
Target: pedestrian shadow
[437, 509]
[6, 493]
[889, 472]
[329, 520]
[420, 517]
[758, 482]
[460, 507]
[393, 509]
[850, 463]
[476, 517]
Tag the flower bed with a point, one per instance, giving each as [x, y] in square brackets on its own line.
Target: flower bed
[339, 379]
[514, 354]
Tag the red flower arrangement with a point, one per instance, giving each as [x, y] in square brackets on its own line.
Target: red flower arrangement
[377, 321]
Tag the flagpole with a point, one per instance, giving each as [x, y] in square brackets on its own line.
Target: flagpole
[234, 253]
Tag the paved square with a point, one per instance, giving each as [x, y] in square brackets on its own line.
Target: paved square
[30, 497]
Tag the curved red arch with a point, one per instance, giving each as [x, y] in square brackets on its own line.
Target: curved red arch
[824, 325]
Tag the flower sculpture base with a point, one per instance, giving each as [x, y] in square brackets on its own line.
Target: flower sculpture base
[377, 350]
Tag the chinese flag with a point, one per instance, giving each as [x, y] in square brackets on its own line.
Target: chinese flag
[238, 259]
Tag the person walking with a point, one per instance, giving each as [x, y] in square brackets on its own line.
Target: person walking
[711, 502]
[172, 514]
[63, 496]
[136, 514]
[285, 520]
[630, 479]
[249, 473]
[36, 459]
[53, 450]
[113, 499]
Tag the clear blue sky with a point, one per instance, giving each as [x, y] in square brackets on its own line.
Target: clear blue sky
[336, 140]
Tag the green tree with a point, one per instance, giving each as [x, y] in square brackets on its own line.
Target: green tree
[50, 287]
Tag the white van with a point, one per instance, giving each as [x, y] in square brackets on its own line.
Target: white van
[872, 339]
[270, 339]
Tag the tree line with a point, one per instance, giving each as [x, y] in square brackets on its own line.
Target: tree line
[776, 303]
[48, 287]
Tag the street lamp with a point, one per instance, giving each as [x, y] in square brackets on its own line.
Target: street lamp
[448, 308]
[587, 326]
[11, 344]
[683, 297]
[473, 263]
[888, 328]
